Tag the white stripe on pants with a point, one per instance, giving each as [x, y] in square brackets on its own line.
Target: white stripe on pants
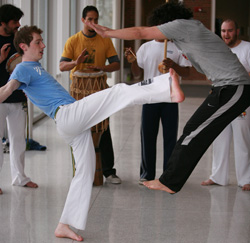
[73, 124]
[15, 116]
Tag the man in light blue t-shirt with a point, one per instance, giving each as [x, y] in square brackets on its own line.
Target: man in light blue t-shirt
[228, 98]
[74, 119]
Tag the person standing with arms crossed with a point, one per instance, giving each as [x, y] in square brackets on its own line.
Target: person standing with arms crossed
[98, 50]
[12, 110]
[148, 61]
[238, 129]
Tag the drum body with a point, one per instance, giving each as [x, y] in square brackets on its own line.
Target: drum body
[86, 83]
[83, 84]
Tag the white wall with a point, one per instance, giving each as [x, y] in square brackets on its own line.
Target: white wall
[61, 23]
[59, 28]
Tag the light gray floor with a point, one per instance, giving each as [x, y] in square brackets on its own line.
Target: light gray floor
[126, 213]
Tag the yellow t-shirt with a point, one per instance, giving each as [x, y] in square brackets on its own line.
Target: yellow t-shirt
[98, 48]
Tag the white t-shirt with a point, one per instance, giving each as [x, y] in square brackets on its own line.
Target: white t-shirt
[40, 87]
[243, 53]
[151, 54]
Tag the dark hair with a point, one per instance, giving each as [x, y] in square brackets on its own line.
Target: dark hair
[10, 12]
[168, 12]
[233, 21]
[24, 35]
[88, 9]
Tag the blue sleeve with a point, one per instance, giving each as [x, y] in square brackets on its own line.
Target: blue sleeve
[22, 75]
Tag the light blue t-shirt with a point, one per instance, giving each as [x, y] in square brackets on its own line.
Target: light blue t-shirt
[206, 51]
[40, 87]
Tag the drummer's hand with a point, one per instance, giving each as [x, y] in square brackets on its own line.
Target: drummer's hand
[129, 55]
[4, 52]
[95, 68]
[168, 63]
[127, 51]
[82, 57]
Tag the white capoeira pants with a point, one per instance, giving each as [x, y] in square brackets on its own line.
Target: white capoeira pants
[239, 130]
[15, 116]
[73, 124]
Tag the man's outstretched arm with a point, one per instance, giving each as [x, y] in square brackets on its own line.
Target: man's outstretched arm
[133, 33]
[7, 89]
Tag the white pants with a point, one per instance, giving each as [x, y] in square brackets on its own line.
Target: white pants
[73, 124]
[239, 129]
[15, 116]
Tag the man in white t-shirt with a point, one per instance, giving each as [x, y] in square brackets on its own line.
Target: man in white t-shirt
[239, 128]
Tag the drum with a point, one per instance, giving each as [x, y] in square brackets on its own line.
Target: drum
[88, 82]
[83, 84]
[13, 61]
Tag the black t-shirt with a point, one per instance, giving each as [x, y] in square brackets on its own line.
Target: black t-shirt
[17, 95]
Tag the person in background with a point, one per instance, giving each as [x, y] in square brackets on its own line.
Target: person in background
[238, 129]
[99, 50]
[12, 110]
[148, 58]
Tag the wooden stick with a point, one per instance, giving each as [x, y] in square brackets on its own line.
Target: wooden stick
[132, 53]
[165, 48]
[166, 44]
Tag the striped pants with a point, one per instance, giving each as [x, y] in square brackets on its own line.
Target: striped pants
[222, 106]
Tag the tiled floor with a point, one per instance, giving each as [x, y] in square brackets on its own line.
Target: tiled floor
[126, 213]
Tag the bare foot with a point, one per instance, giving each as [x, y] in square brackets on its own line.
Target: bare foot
[157, 185]
[63, 231]
[208, 182]
[31, 184]
[177, 95]
[246, 187]
[1, 192]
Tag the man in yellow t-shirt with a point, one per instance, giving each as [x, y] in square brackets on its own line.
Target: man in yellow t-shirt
[98, 49]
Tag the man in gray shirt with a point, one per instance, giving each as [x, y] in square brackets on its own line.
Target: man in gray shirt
[228, 98]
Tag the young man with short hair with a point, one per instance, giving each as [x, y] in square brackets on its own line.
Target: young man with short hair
[74, 119]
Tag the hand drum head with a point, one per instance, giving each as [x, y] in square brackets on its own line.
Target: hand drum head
[13, 61]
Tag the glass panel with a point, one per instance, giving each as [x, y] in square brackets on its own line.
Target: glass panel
[105, 12]
[40, 19]
[105, 9]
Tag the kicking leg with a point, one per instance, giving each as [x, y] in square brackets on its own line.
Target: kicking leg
[109, 101]
[177, 95]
